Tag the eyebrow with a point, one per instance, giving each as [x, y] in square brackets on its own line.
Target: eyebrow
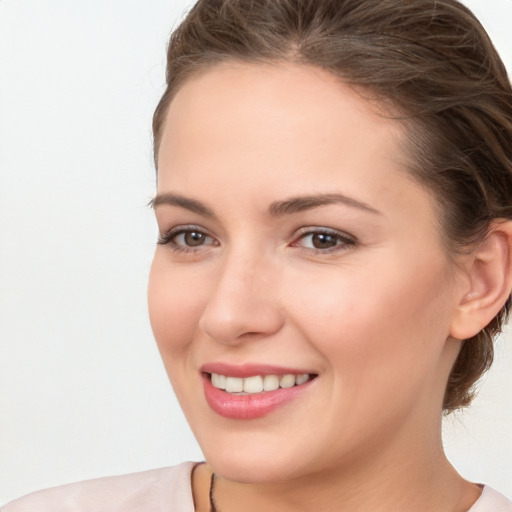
[181, 201]
[303, 203]
[276, 209]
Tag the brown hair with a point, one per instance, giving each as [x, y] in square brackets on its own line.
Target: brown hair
[430, 59]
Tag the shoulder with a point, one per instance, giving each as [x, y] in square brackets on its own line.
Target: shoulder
[491, 501]
[156, 490]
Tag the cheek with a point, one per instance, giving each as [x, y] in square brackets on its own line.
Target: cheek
[175, 305]
[375, 325]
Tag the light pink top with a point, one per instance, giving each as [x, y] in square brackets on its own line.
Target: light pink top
[157, 490]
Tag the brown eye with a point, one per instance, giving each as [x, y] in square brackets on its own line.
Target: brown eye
[324, 240]
[193, 238]
[186, 239]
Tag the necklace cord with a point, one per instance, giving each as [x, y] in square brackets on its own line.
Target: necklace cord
[213, 507]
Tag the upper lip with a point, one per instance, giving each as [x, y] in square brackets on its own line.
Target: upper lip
[249, 369]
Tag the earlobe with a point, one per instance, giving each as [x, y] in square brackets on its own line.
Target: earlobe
[489, 272]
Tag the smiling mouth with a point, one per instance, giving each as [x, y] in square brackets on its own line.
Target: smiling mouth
[258, 383]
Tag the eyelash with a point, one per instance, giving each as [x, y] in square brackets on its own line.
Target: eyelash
[343, 240]
[169, 238]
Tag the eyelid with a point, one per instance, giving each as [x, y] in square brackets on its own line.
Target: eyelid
[346, 239]
[168, 237]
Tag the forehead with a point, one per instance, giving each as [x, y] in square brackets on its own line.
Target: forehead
[280, 129]
[276, 93]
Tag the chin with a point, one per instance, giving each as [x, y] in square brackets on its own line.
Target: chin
[258, 460]
[246, 470]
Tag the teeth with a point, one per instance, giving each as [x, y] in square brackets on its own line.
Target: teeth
[253, 384]
[287, 381]
[270, 382]
[219, 381]
[300, 379]
[257, 383]
[234, 385]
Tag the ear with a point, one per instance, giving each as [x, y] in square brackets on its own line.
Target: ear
[488, 282]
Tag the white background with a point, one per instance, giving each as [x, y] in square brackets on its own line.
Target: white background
[82, 390]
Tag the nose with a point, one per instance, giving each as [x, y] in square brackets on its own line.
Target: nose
[242, 303]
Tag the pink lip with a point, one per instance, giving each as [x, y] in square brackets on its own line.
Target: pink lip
[248, 407]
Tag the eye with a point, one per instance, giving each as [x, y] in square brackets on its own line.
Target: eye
[190, 238]
[324, 240]
[186, 238]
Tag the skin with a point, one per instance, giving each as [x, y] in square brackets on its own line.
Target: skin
[373, 316]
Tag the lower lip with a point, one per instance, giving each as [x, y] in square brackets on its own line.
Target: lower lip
[249, 407]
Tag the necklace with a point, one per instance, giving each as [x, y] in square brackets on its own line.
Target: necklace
[213, 507]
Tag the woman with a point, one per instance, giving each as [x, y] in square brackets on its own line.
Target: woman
[334, 258]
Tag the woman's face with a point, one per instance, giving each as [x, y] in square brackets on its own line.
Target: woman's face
[293, 242]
